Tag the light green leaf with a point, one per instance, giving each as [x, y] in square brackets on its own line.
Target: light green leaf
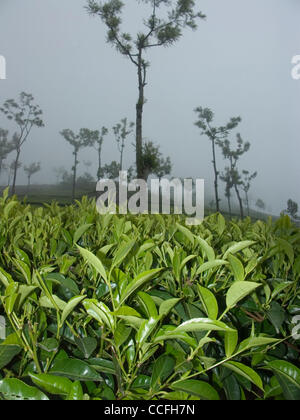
[237, 268]
[167, 305]
[69, 308]
[210, 265]
[94, 262]
[234, 249]
[209, 302]
[80, 232]
[138, 282]
[239, 291]
[203, 324]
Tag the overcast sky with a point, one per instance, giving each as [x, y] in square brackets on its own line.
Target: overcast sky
[238, 63]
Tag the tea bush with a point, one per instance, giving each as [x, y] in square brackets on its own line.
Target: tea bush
[126, 307]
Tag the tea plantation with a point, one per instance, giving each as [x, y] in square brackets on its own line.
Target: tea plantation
[146, 308]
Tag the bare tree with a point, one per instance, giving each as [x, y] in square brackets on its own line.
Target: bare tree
[30, 170]
[26, 115]
[121, 132]
[164, 30]
[216, 135]
[97, 144]
[246, 185]
[85, 138]
[233, 155]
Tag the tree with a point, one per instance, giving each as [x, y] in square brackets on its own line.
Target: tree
[30, 170]
[97, 144]
[5, 147]
[292, 209]
[59, 173]
[246, 185]
[84, 138]
[11, 170]
[121, 132]
[260, 204]
[227, 178]
[233, 155]
[112, 171]
[26, 115]
[154, 163]
[216, 135]
[161, 29]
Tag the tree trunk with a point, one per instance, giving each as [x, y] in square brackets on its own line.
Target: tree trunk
[247, 203]
[74, 176]
[240, 201]
[121, 157]
[216, 175]
[99, 164]
[139, 121]
[15, 171]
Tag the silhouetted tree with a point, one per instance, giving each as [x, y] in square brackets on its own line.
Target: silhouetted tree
[227, 178]
[26, 115]
[216, 135]
[84, 138]
[260, 204]
[161, 29]
[246, 185]
[97, 144]
[233, 155]
[154, 163]
[292, 209]
[112, 170]
[30, 170]
[59, 173]
[121, 132]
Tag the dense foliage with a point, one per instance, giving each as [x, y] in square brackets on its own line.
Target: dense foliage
[124, 307]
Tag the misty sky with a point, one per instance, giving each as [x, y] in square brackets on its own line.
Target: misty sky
[238, 62]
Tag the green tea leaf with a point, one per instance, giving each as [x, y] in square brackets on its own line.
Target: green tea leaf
[238, 291]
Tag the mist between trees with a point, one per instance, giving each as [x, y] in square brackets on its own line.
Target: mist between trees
[165, 25]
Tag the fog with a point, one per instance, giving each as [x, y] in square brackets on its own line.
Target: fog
[238, 63]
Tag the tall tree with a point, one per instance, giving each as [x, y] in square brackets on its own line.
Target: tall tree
[85, 138]
[216, 135]
[227, 178]
[30, 170]
[292, 209]
[26, 115]
[121, 132]
[233, 155]
[163, 27]
[97, 145]
[246, 185]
